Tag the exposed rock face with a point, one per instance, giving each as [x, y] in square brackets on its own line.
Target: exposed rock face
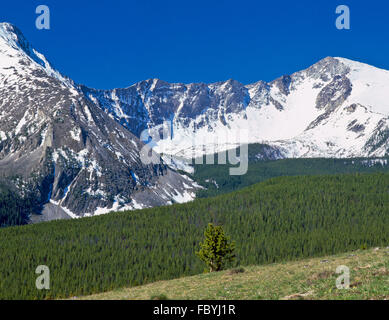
[58, 143]
[283, 84]
[334, 93]
[153, 101]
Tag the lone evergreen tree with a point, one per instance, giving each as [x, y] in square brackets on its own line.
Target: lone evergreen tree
[216, 250]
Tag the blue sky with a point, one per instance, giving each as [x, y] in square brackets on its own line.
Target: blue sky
[107, 44]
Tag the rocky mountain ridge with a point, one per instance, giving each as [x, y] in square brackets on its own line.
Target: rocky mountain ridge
[335, 108]
[76, 150]
[58, 145]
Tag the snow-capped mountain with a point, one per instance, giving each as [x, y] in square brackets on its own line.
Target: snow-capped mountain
[78, 149]
[336, 108]
[58, 144]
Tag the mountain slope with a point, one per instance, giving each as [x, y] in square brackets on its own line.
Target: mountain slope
[76, 150]
[309, 279]
[336, 108]
[57, 144]
[216, 178]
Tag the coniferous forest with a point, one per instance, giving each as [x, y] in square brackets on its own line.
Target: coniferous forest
[279, 219]
[262, 169]
[14, 210]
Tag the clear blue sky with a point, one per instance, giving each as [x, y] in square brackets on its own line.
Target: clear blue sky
[107, 44]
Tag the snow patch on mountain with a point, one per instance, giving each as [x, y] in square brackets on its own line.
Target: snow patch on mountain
[335, 108]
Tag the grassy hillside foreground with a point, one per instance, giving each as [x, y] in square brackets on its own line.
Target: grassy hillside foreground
[303, 279]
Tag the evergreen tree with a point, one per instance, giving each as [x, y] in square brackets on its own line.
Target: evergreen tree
[216, 250]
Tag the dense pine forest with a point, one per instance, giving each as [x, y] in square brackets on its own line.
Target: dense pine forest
[280, 219]
[217, 180]
[13, 209]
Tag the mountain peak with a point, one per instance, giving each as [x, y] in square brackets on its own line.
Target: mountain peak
[9, 27]
[14, 37]
[349, 63]
[14, 45]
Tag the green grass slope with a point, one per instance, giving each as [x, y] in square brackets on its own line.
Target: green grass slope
[302, 279]
[281, 219]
